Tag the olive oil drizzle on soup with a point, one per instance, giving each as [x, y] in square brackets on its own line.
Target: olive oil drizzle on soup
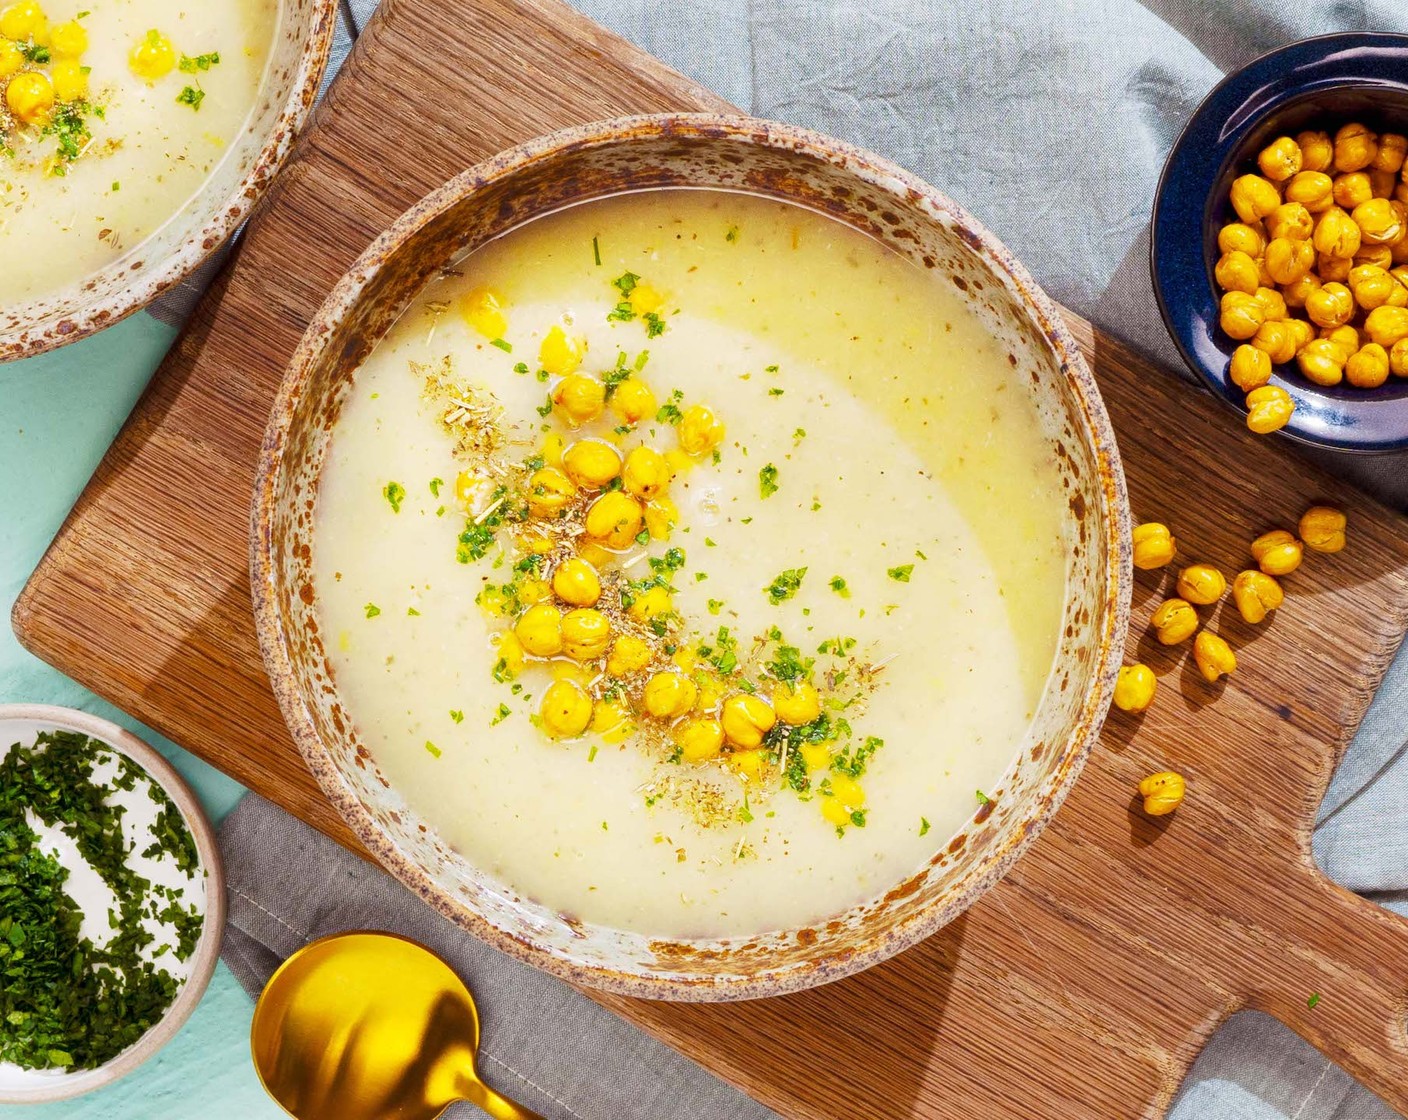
[113, 114]
[689, 560]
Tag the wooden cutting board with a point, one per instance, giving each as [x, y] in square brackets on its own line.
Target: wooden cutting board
[1081, 987]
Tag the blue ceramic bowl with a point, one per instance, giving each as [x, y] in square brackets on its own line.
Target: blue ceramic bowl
[1317, 83]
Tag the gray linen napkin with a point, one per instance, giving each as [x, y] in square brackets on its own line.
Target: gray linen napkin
[1050, 119]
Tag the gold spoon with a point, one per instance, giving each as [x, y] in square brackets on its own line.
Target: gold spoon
[366, 1026]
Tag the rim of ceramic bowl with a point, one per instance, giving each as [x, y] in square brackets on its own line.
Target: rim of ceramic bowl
[909, 192]
[207, 951]
[1187, 207]
[39, 327]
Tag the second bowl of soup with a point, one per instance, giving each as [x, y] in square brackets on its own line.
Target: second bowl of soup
[691, 553]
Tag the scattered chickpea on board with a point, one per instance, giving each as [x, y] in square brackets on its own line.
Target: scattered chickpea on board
[1315, 268]
[1255, 592]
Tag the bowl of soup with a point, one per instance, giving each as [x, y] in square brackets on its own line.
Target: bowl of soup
[135, 136]
[692, 554]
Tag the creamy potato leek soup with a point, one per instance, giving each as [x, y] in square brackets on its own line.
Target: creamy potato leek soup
[691, 562]
[113, 114]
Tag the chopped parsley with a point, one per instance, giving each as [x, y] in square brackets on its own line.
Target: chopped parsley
[654, 325]
[192, 96]
[838, 585]
[786, 585]
[372, 610]
[435, 484]
[456, 715]
[853, 760]
[435, 752]
[983, 799]
[669, 412]
[596, 252]
[395, 494]
[715, 605]
[767, 481]
[33, 52]
[732, 234]
[775, 392]
[1313, 1000]
[201, 62]
[900, 574]
[503, 344]
[502, 714]
[623, 312]
[923, 826]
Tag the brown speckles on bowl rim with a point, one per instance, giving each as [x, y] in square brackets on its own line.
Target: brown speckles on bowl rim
[867, 193]
[293, 76]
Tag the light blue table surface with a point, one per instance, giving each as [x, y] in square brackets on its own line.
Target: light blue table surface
[58, 413]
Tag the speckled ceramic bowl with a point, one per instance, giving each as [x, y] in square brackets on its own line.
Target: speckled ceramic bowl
[178, 248]
[871, 195]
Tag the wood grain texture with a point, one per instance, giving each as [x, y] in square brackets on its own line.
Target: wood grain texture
[1083, 985]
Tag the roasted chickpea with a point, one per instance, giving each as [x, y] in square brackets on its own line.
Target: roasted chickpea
[1277, 553]
[629, 654]
[1280, 159]
[1273, 304]
[70, 78]
[1249, 369]
[1254, 197]
[1345, 338]
[612, 719]
[576, 582]
[1239, 237]
[1286, 261]
[661, 516]
[539, 630]
[1322, 528]
[1201, 584]
[1317, 151]
[153, 57]
[1242, 315]
[1389, 157]
[700, 739]
[1162, 793]
[566, 709]
[653, 602]
[700, 431]
[1312, 189]
[633, 401]
[1290, 220]
[1355, 147]
[1372, 286]
[1322, 362]
[30, 97]
[549, 491]
[1277, 340]
[1237, 272]
[1381, 183]
[746, 719]
[1367, 368]
[1387, 325]
[1256, 595]
[1352, 188]
[796, 703]
[1336, 234]
[646, 473]
[579, 399]
[25, 20]
[1268, 409]
[560, 354]
[1333, 269]
[1154, 545]
[1330, 305]
[1135, 688]
[614, 519]
[1379, 223]
[69, 39]
[1398, 358]
[483, 310]
[1174, 621]
[1213, 655]
[1298, 291]
[1301, 332]
[669, 695]
[591, 463]
[12, 60]
[586, 633]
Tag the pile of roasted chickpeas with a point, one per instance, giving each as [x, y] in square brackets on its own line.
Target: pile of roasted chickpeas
[1256, 592]
[1315, 269]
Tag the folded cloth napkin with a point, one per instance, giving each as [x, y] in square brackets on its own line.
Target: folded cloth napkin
[1050, 119]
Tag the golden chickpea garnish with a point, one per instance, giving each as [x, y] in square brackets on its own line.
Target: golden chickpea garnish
[1256, 595]
[1280, 159]
[796, 702]
[669, 695]
[1277, 553]
[1213, 655]
[1322, 529]
[614, 519]
[566, 709]
[746, 719]
[539, 631]
[1254, 197]
[1201, 584]
[1162, 792]
[1317, 150]
[1134, 688]
[1154, 545]
[591, 463]
[1250, 367]
[1174, 621]
[1355, 147]
[646, 472]
[576, 582]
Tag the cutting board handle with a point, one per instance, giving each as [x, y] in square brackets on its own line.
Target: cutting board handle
[1334, 968]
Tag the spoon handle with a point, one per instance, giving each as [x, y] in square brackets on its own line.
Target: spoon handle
[499, 1107]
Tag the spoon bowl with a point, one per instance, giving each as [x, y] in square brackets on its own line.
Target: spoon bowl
[363, 1026]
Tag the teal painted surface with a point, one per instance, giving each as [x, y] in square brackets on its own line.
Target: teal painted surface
[58, 413]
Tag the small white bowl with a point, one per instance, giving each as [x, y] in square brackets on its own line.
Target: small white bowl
[21, 723]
